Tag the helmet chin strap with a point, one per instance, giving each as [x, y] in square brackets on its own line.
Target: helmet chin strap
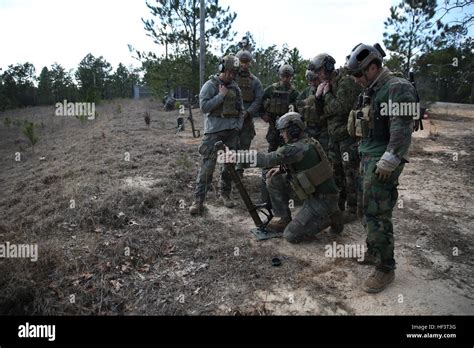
[376, 79]
[364, 72]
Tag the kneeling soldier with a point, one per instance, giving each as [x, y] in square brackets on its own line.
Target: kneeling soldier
[304, 165]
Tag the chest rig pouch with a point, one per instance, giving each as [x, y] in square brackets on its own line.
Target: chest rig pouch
[229, 107]
[366, 121]
[279, 102]
[360, 123]
[306, 182]
[245, 84]
[309, 111]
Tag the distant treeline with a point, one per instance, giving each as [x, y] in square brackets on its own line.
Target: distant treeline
[92, 81]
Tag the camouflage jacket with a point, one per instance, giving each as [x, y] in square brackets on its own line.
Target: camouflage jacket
[390, 89]
[293, 154]
[336, 105]
[310, 90]
[210, 99]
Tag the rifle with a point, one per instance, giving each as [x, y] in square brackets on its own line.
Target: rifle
[418, 125]
[190, 118]
[261, 231]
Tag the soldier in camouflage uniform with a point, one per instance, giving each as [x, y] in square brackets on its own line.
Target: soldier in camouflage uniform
[335, 97]
[384, 144]
[252, 94]
[278, 99]
[301, 164]
[221, 103]
[316, 126]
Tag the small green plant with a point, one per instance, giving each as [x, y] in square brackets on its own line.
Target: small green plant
[147, 119]
[177, 105]
[184, 161]
[7, 122]
[82, 117]
[28, 130]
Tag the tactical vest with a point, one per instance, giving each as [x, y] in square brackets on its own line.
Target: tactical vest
[307, 174]
[366, 121]
[309, 111]
[229, 107]
[279, 102]
[245, 83]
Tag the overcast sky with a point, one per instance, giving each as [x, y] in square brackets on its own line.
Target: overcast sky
[64, 31]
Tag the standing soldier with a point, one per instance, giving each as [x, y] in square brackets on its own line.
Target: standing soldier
[221, 103]
[252, 94]
[278, 99]
[301, 163]
[316, 127]
[384, 144]
[335, 97]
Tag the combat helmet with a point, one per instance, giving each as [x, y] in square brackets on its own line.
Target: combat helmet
[286, 69]
[310, 75]
[288, 118]
[229, 62]
[361, 57]
[321, 61]
[244, 55]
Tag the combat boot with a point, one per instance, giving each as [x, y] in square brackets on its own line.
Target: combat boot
[342, 202]
[197, 207]
[279, 225]
[378, 281]
[337, 224]
[349, 215]
[228, 203]
[369, 259]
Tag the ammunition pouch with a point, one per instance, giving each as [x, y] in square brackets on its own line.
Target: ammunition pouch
[245, 84]
[279, 102]
[305, 182]
[309, 111]
[229, 107]
[366, 122]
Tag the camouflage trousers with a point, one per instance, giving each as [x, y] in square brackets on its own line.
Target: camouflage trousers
[344, 157]
[320, 134]
[209, 161]
[274, 140]
[246, 136]
[314, 216]
[376, 201]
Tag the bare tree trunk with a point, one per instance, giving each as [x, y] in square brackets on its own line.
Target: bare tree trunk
[202, 43]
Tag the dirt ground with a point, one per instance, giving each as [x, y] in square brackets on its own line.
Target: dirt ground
[114, 235]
